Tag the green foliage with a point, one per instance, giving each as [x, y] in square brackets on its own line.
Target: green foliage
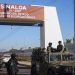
[38, 55]
[68, 40]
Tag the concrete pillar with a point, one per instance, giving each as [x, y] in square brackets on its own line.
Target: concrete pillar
[50, 31]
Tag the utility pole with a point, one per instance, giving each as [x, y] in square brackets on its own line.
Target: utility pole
[5, 10]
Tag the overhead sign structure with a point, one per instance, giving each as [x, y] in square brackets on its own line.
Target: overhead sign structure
[21, 12]
[49, 31]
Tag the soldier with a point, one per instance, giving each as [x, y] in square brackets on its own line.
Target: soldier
[33, 69]
[59, 46]
[12, 65]
[49, 48]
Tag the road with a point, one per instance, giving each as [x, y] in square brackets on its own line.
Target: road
[23, 70]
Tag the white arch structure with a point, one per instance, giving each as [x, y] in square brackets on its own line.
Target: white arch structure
[31, 14]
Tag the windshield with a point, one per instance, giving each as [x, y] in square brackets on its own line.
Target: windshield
[62, 57]
[68, 57]
[55, 58]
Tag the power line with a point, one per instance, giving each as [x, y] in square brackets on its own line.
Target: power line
[9, 34]
[13, 32]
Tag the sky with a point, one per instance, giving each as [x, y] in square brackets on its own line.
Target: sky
[23, 36]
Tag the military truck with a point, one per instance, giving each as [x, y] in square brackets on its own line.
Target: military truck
[52, 63]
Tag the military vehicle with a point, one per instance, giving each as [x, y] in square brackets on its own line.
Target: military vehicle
[52, 63]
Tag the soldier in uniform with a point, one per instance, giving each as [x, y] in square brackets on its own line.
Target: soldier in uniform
[49, 48]
[11, 65]
[59, 46]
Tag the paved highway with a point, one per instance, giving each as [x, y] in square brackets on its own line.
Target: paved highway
[23, 70]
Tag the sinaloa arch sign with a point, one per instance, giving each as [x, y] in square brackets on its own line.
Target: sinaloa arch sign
[45, 16]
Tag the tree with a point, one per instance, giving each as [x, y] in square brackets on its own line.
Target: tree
[68, 40]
